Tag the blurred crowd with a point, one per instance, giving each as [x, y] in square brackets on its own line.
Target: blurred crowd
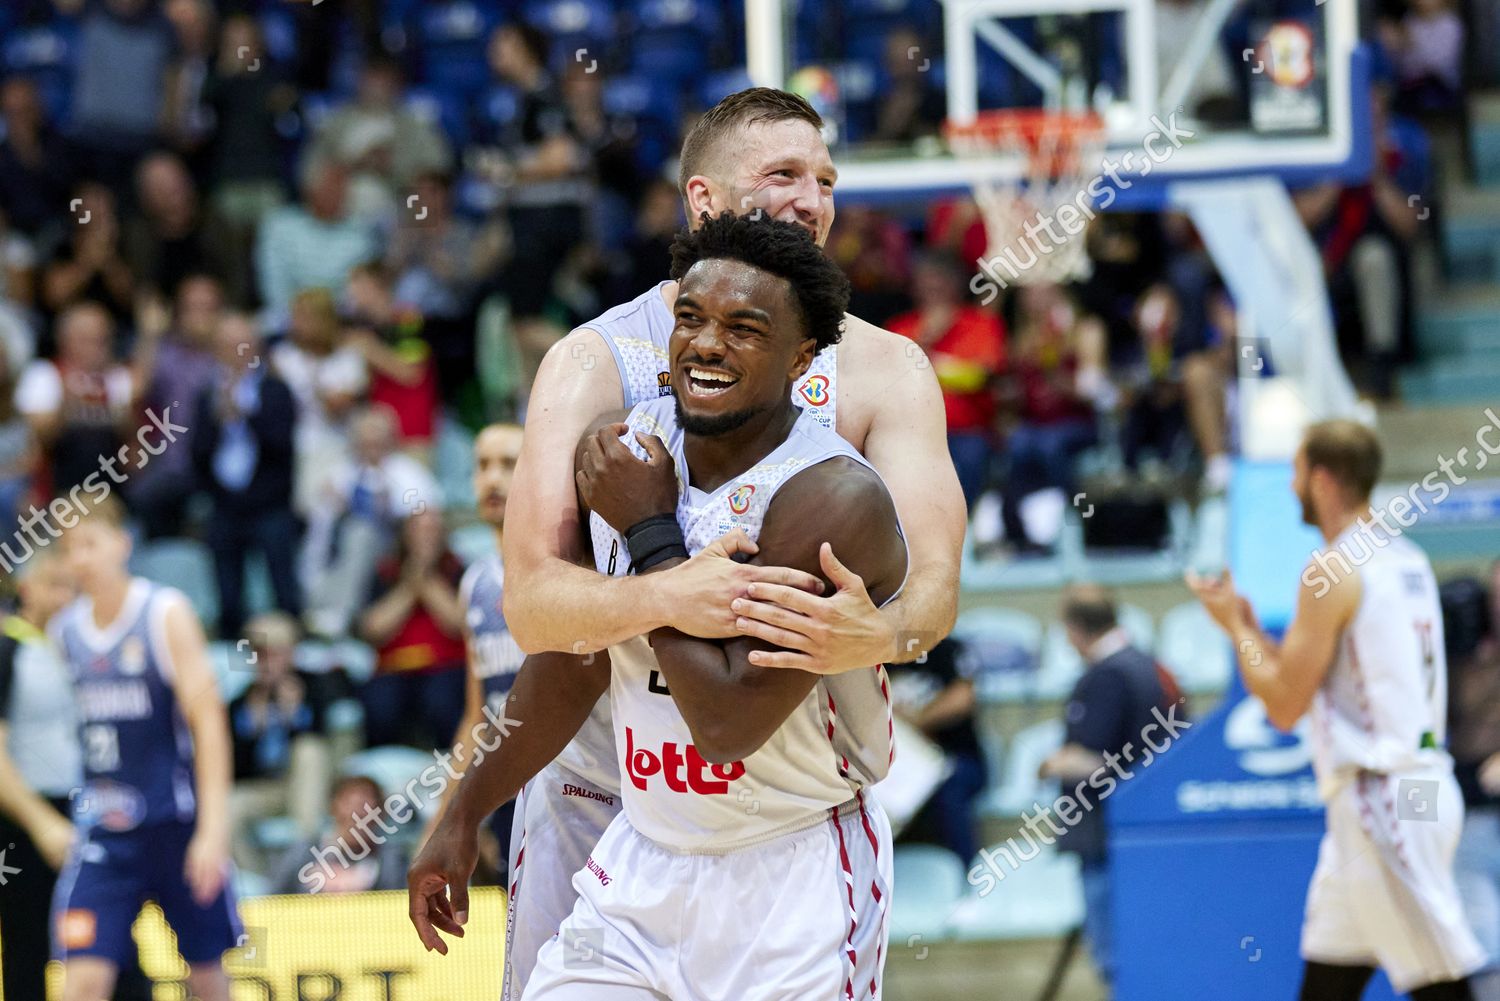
[317, 238]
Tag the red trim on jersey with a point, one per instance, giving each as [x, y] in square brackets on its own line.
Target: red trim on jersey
[833, 818]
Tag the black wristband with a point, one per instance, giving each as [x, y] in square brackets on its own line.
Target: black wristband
[655, 539]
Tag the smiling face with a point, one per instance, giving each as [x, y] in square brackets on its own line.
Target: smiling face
[739, 343]
[781, 168]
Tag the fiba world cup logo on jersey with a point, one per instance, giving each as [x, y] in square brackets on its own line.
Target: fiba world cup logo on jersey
[739, 501]
[815, 390]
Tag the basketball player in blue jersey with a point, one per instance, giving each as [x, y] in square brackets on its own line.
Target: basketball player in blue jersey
[758, 299]
[494, 657]
[153, 814]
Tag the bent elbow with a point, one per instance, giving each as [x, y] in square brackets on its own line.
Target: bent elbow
[725, 748]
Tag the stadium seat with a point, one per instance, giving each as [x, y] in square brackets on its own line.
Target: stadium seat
[673, 39]
[250, 884]
[356, 658]
[393, 768]
[232, 667]
[1006, 644]
[929, 883]
[472, 543]
[452, 38]
[1041, 897]
[186, 565]
[580, 30]
[45, 53]
[1019, 788]
[453, 461]
[1194, 649]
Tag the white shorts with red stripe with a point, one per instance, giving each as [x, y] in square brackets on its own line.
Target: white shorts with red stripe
[1383, 892]
[560, 817]
[801, 917]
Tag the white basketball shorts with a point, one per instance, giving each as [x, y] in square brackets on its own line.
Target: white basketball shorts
[1383, 892]
[801, 917]
[559, 819]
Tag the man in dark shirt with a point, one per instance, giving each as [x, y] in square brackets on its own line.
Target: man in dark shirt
[242, 451]
[36, 169]
[1122, 695]
[936, 695]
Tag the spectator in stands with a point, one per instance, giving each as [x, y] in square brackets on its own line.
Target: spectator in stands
[327, 377]
[243, 454]
[17, 448]
[36, 168]
[389, 337]
[282, 765]
[912, 104]
[41, 767]
[186, 119]
[874, 250]
[1058, 381]
[549, 184]
[648, 250]
[246, 94]
[90, 262]
[384, 145]
[312, 246]
[1171, 396]
[1112, 704]
[936, 695]
[415, 622]
[350, 855]
[362, 502]
[441, 259]
[1427, 45]
[1366, 233]
[121, 64]
[1474, 738]
[173, 236]
[17, 267]
[611, 144]
[177, 353]
[965, 344]
[77, 404]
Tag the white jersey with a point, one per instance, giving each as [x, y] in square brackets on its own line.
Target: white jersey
[1383, 706]
[672, 795]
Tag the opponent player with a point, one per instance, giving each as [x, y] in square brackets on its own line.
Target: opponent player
[760, 151]
[752, 819]
[1365, 655]
[153, 815]
[494, 657]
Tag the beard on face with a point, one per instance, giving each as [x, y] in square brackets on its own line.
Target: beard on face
[712, 427]
[1309, 515]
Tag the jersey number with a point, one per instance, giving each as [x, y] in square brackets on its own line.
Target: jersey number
[656, 685]
[101, 745]
[614, 551]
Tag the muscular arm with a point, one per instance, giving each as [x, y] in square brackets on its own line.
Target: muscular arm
[1286, 675]
[731, 706]
[554, 603]
[906, 441]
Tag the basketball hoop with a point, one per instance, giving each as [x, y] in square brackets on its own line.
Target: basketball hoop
[1061, 153]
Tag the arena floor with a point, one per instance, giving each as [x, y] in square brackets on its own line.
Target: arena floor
[966, 971]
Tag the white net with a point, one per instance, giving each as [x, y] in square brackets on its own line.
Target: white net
[1035, 218]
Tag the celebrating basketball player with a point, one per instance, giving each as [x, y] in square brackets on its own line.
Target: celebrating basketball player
[758, 151]
[152, 817]
[1365, 655]
[747, 826]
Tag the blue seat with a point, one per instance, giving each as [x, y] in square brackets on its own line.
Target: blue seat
[233, 667]
[278, 27]
[643, 97]
[472, 543]
[674, 38]
[451, 41]
[580, 30]
[1006, 644]
[185, 564]
[453, 462]
[717, 86]
[928, 885]
[45, 54]
[1019, 788]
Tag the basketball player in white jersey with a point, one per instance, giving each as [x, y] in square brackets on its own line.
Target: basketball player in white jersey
[1364, 655]
[761, 151]
[747, 856]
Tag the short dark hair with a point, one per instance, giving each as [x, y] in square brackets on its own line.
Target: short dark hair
[782, 248]
[345, 782]
[1090, 609]
[751, 106]
[1349, 451]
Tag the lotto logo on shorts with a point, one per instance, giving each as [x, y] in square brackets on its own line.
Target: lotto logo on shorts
[681, 768]
[77, 929]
